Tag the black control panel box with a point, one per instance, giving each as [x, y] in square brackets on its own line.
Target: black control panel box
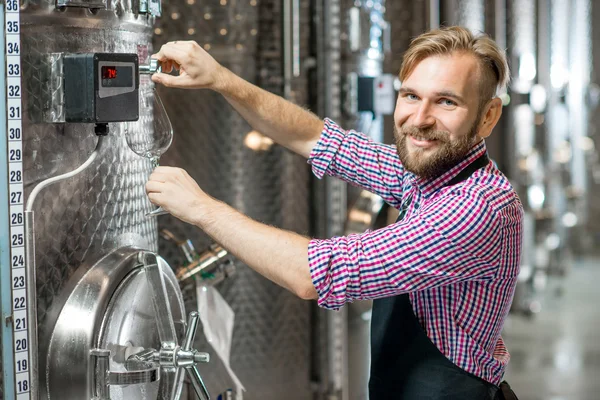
[101, 87]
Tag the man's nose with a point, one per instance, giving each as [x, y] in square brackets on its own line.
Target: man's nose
[422, 118]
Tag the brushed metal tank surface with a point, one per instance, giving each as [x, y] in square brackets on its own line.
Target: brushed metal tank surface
[107, 306]
[271, 340]
[102, 208]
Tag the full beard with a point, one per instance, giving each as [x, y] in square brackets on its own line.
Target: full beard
[431, 163]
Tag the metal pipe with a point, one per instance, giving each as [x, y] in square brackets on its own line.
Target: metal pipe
[206, 259]
[49, 181]
[30, 277]
[296, 38]
[30, 272]
[335, 195]
[434, 13]
[500, 23]
[287, 48]
[579, 80]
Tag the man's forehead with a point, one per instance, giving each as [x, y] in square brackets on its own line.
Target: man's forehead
[458, 73]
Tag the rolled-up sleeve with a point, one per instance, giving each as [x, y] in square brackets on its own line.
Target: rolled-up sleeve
[358, 160]
[452, 239]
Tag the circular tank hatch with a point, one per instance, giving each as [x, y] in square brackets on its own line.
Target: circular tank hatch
[106, 306]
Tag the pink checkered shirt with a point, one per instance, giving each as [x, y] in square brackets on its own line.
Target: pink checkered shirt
[456, 251]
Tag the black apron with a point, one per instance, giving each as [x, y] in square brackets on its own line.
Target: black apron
[405, 364]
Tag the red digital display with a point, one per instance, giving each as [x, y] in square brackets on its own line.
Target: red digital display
[109, 72]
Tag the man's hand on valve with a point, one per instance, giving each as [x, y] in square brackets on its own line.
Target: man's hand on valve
[197, 69]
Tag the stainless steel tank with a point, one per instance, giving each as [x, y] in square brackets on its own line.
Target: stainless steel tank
[93, 215]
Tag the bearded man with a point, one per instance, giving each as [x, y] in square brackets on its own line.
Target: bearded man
[443, 276]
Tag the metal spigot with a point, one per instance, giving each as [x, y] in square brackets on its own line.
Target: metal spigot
[151, 68]
[212, 266]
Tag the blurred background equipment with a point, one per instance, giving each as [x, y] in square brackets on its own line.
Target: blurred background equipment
[101, 302]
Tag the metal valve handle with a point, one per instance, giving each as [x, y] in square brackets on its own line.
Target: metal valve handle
[170, 355]
[192, 370]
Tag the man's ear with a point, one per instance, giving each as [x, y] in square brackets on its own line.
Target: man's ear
[492, 113]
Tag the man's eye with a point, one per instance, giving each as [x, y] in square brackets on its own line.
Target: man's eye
[411, 96]
[448, 102]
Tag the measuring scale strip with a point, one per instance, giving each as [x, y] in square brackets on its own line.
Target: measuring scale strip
[14, 111]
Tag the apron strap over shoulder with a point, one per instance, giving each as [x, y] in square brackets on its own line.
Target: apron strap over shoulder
[505, 392]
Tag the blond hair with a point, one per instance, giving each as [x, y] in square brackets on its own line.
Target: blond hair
[494, 72]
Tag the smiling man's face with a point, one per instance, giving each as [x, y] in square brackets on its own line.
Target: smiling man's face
[438, 114]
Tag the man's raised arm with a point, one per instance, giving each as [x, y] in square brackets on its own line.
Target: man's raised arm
[286, 123]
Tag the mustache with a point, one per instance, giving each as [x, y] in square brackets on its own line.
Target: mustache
[427, 133]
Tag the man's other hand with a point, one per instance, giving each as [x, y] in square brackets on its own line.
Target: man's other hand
[277, 254]
[178, 193]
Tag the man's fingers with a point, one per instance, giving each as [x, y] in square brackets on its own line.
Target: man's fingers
[170, 80]
[167, 174]
[159, 177]
[172, 52]
[165, 79]
[154, 187]
[155, 198]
